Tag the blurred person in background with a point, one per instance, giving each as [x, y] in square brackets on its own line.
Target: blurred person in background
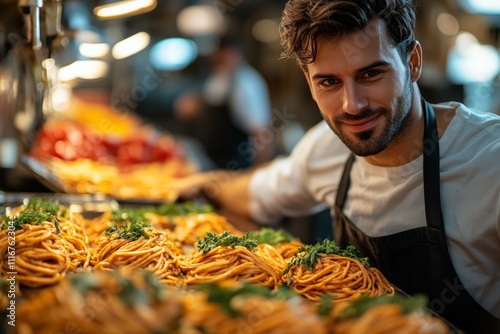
[230, 116]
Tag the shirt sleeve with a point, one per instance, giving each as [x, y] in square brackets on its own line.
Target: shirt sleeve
[300, 184]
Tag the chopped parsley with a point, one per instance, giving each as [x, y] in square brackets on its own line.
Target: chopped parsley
[267, 235]
[131, 230]
[211, 241]
[308, 255]
[43, 205]
[182, 209]
[223, 296]
[128, 216]
[30, 217]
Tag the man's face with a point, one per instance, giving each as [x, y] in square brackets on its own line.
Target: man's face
[363, 89]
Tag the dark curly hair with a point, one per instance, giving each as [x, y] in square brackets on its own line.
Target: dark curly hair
[304, 21]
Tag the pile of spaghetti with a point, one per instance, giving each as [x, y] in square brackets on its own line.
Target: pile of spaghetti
[227, 257]
[134, 302]
[40, 241]
[384, 314]
[325, 268]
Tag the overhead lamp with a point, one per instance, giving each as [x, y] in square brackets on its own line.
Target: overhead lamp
[112, 9]
[173, 54]
[481, 6]
[200, 20]
[130, 45]
[83, 69]
[94, 50]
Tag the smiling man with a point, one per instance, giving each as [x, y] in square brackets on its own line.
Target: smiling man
[414, 186]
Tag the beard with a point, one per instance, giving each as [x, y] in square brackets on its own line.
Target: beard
[366, 143]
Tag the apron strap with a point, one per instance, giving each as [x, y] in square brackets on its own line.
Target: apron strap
[345, 182]
[432, 191]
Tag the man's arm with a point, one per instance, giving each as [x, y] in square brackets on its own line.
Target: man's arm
[227, 190]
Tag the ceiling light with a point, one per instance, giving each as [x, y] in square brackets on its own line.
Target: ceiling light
[117, 9]
[83, 69]
[173, 54]
[131, 45]
[200, 20]
[481, 6]
[94, 50]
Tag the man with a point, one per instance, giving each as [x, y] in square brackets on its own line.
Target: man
[420, 192]
[230, 112]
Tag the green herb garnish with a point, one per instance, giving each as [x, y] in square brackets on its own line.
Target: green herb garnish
[30, 217]
[211, 240]
[182, 209]
[325, 305]
[267, 235]
[224, 295]
[43, 205]
[132, 231]
[358, 307]
[308, 255]
[128, 216]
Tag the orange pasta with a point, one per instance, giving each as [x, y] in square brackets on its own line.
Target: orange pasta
[389, 319]
[253, 313]
[226, 263]
[343, 277]
[155, 253]
[100, 307]
[39, 256]
[289, 249]
[195, 226]
[271, 255]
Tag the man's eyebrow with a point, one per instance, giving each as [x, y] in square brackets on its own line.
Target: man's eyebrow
[377, 63]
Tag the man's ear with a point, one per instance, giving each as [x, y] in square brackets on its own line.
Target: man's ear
[308, 79]
[415, 61]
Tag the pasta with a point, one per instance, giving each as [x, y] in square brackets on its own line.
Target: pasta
[155, 253]
[388, 318]
[271, 255]
[101, 266]
[40, 255]
[48, 242]
[72, 232]
[111, 302]
[289, 249]
[247, 312]
[195, 226]
[227, 263]
[343, 277]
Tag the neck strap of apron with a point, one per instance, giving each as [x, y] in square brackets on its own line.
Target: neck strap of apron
[432, 193]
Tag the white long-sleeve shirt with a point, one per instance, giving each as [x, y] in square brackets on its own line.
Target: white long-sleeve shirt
[387, 200]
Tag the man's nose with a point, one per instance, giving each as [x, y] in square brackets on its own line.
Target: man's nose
[354, 99]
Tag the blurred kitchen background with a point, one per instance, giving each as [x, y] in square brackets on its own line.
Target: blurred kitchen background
[139, 62]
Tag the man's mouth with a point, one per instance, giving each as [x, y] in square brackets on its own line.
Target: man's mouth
[362, 124]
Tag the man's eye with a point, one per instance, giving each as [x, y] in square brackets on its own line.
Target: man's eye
[328, 82]
[371, 73]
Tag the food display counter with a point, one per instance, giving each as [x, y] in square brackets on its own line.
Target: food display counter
[88, 264]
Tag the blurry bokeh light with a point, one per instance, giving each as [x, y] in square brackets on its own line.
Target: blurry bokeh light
[266, 31]
[131, 45]
[173, 54]
[448, 24]
[200, 20]
[470, 62]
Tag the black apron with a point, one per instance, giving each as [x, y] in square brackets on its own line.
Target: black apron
[417, 260]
